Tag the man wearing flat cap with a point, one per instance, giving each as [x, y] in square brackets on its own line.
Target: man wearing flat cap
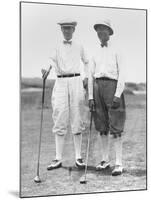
[68, 92]
[106, 85]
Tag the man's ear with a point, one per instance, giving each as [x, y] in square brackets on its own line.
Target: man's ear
[73, 29]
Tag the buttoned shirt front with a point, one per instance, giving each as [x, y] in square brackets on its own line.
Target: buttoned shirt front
[106, 62]
[66, 58]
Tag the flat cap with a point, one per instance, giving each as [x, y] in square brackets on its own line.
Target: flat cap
[104, 23]
[67, 22]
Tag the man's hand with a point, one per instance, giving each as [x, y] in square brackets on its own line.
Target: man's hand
[85, 83]
[45, 73]
[116, 103]
[91, 105]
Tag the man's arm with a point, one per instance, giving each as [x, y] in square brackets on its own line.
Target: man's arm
[120, 82]
[121, 76]
[91, 71]
[52, 63]
[85, 60]
[90, 85]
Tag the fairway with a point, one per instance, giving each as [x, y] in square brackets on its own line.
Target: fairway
[64, 181]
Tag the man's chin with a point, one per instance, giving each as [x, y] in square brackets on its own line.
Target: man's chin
[68, 38]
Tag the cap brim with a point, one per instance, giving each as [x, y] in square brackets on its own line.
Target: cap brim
[103, 25]
[68, 24]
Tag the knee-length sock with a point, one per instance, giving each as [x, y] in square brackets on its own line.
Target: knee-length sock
[105, 147]
[118, 150]
[59, 139]
[77, 145]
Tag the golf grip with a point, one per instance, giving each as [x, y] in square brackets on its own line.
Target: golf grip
[39, 148]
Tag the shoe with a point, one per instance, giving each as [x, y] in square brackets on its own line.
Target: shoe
[54, 164]
[117, 170]
[103, 165]
[79, 163]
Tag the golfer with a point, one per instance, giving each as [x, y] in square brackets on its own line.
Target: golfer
[106, 85]
[68, 92]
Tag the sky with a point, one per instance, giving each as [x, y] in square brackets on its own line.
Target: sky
[40, 33]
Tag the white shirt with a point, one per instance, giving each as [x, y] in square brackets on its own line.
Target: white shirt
[66, 59]
[106, 62]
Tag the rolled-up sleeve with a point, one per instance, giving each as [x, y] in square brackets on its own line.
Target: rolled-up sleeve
[85, 60]
[91, 72]
[121, 75]
[52, 60]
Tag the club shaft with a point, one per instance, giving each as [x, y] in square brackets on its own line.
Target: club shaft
[88, 147]
[41, 123]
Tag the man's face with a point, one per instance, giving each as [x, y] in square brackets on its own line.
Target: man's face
[67, 32]
[103, 34]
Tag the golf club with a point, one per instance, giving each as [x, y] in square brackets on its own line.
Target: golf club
[37, 178]
[83, 179]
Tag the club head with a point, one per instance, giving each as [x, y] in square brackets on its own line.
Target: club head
[37, 179]
[83, 180]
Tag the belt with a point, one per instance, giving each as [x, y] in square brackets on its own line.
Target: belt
[106, 78]
[68, 75]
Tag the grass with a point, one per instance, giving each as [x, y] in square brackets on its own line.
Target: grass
[64, 181]
[37, 83]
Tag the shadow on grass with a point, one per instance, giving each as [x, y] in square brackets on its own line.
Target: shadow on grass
[136, 172]
[105, 172]
[92, 169]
